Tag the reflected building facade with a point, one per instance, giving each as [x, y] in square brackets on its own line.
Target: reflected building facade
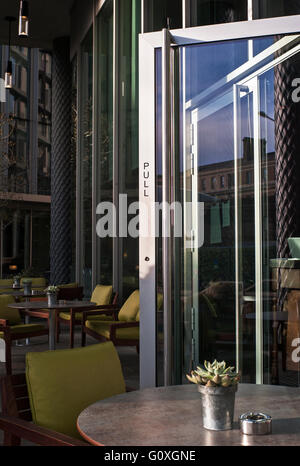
[26, 162]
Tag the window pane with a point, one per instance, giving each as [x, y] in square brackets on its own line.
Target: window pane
[272, 8]
[161, 13]
[204, 12]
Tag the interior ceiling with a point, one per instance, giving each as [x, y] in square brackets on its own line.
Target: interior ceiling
[49, 19]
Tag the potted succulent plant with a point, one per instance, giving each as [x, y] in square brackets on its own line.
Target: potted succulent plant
[27, 286]
[52, 295]
[217, 385]
[17, 281]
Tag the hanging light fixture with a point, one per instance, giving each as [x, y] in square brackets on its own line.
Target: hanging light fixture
[8, 80]
[24, 18]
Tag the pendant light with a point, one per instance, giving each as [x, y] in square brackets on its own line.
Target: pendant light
[23, 18]
[8, 80]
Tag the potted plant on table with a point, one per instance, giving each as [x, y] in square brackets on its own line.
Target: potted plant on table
[52, 295]
[217, 385]
[27, 284]
[17, 281]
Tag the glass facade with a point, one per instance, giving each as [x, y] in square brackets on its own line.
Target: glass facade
[25, 144]
[85, 157]
[204, 12]
[229, 144]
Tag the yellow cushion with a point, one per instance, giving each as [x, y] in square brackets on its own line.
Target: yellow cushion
[130, 308]
[12, 315]
[63, 383]
[6, 282]
[39, 281]
[78, 316]
[24, 328]
[69, 285]
[101, 295]
[102, 328]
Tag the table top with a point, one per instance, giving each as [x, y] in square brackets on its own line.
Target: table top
[172, 416]
[20, 293]
[35, 305]
[10, 287]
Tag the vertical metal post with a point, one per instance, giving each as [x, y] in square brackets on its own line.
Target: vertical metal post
[237, 216]
[186, 13]
[166, 199]
[117, 256]
[258, 233]
[95, 151]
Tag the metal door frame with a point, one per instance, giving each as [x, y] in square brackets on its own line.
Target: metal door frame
[148, 44]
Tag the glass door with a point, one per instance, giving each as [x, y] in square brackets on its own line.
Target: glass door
[235, 164]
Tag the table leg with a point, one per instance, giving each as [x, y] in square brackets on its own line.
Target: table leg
[52, 343]
[27, 321]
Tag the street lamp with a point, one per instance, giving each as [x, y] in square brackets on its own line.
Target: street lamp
[24, 18]
[8, 80]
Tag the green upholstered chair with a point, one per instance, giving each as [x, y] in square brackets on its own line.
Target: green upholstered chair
[6, 282]
[101, 296]
[63, 383]
[124, 332]
[13, 328]
[58, 386]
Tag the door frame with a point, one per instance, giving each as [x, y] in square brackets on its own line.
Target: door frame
[148, 44]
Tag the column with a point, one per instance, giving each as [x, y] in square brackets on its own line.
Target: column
[60, 247]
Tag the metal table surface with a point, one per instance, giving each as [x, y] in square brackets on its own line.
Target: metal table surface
[172, 416]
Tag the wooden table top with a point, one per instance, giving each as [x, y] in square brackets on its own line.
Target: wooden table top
[172, 416]
[36, 305]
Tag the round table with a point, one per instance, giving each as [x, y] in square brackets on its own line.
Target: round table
[36, 306]
[172, 416]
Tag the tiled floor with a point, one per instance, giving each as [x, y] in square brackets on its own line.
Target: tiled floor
[128, 356]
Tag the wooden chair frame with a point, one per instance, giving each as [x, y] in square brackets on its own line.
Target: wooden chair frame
[16, 418]
[9, 337]
[73, 321]
[112, 329]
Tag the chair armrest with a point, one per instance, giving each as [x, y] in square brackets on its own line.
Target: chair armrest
[114, 327]
[36, 434]
[107, 309]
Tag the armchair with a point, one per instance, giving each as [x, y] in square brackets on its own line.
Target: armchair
[58, 386]
[13, 328]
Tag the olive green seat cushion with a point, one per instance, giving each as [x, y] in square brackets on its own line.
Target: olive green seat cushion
[12, 315]
[130, 308]
[36, 281]
[101, 295]
[24, 328]
[103, 329]
[63, 383]
[6, 282]
[78, 316]
[69, 285]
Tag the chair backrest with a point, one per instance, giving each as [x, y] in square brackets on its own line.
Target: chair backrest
[6, 282]
[102, 295]
[63, 383]
[70, 294]
[36, 281]
[12, 315]
[131, 307]
[69, 285]
[15, 398]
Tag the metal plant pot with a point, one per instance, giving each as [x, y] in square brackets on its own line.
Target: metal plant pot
[217, 406]
[52, 299]
[27, 289]
[17, 283]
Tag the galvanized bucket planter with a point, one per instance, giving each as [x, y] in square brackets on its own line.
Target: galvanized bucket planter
[27, 288]
[218, 406]
[52, 299]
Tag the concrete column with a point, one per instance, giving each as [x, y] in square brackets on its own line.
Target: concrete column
[60, 248]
